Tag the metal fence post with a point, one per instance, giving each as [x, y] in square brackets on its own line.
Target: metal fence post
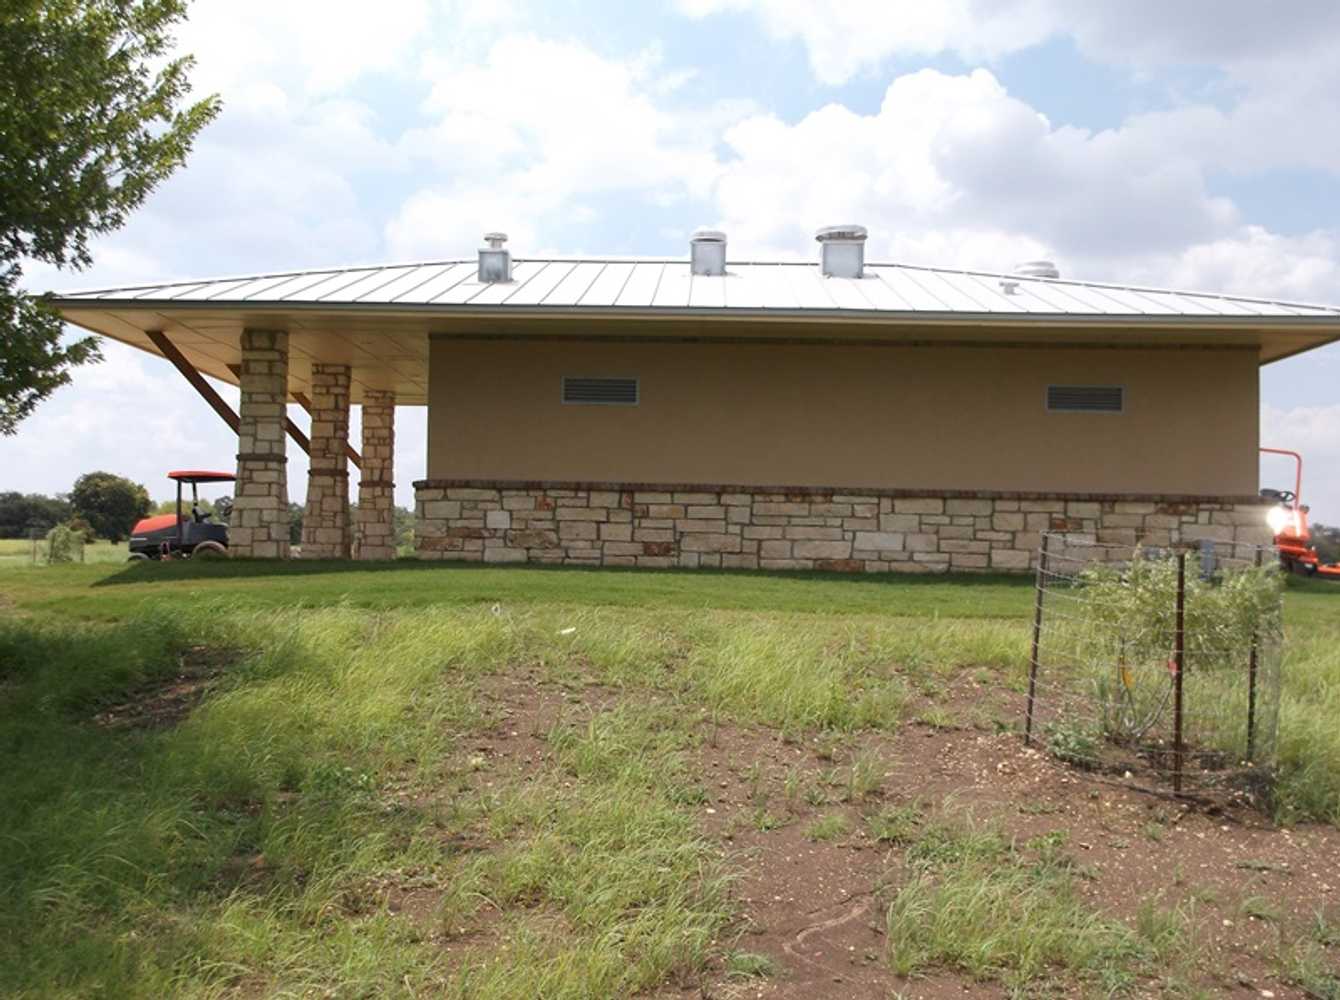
[1179, 662]
[1037, 638]
[1251, 684]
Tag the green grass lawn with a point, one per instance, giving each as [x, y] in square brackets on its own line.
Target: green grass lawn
[246, 849]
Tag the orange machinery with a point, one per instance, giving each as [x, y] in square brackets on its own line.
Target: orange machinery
[1288, 520]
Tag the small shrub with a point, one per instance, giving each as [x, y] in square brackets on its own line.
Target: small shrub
[829, 827]
[64, 545]
[749, 965]
[1073, 744]
[895, 825]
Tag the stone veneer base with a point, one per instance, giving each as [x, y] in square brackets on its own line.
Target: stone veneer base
[799, 528]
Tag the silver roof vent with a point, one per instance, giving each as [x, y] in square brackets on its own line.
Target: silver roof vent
[495, 262]
[1037, 269]
[707, 252]
[843, 251]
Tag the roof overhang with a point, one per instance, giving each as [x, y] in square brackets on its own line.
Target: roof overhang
[387, 345]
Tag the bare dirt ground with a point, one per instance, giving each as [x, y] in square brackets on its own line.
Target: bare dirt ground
[814, 907]
[166, 701]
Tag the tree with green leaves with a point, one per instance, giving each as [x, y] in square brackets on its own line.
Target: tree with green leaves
[110, 503]
[93, 116]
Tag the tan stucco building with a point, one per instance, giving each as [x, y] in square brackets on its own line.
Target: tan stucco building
[837, 414]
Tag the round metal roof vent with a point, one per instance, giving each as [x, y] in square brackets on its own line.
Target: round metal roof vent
[707, 236]
[1038, 269]
[495, 240]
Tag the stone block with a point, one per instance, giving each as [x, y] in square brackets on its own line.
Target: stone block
[840, 565]
[709, 542]
[532, 539]
[1008, 522]
[899, 522]
[1010, 559]
[1214, 532]
[879, 541]
[774, 549]
[499, 520]
[616, 532]
[782, 509]
[465, 493]
[918, 505]
[743, 560]
[965, 560]
[809, 549]
[959, 546]
[577, 530]
[581, 514]
[920, 542]
[975, 507]
[830, 509]
[822, 534]
[714, 511]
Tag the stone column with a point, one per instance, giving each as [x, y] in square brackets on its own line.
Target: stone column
[259, 523]
[376, 488]
[326, 532]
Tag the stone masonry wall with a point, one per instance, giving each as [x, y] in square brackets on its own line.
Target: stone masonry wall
[794, 529]
[260, 522]
[326, 532]
[376, 488]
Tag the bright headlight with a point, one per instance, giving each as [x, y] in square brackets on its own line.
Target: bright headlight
[1277, 518]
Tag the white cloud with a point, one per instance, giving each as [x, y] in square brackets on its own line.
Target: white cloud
[536, 130]
[245, 48]
[1273, 102]
[844, 37]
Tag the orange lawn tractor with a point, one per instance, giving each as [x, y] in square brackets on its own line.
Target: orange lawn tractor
[1288, 520]
[182, 535]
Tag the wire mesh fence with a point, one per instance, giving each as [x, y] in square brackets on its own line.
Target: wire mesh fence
[1159, 666]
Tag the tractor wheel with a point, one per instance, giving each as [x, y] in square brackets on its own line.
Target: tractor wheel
[138, 557]
[209, 550]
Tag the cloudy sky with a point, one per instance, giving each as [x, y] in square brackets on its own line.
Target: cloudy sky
[1193, 144]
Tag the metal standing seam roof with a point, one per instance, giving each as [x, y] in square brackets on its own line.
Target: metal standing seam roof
[667, 286]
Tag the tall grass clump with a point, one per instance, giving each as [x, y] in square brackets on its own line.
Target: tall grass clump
[266, 803]
[599, 848]
[978, 903]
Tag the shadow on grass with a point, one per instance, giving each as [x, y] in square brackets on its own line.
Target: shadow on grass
[245, 569]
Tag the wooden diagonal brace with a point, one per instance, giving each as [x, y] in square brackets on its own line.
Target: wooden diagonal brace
[169, 350]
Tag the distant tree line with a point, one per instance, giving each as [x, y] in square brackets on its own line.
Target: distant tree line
[99, 505]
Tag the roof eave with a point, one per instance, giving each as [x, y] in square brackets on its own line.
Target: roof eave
[892, 317]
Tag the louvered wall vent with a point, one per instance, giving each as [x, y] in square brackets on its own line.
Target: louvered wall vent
[600, 391]
[1086, 398]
